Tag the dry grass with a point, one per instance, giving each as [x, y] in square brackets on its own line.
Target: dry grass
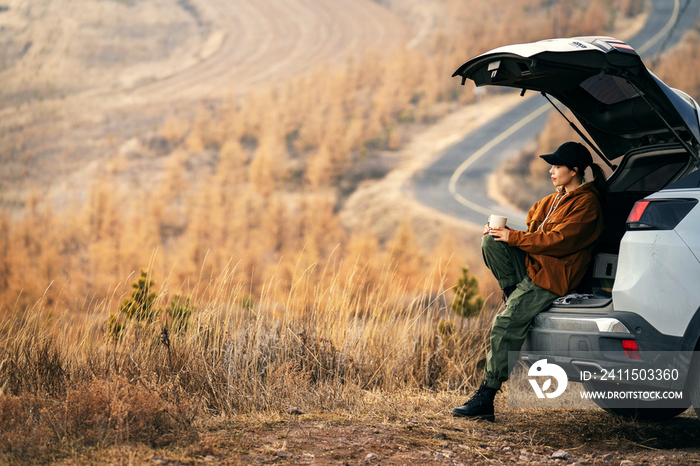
[366, 370]
[68, 385]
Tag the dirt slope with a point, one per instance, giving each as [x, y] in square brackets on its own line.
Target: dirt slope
[77, 79]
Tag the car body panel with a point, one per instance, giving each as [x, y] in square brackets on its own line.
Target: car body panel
[689, 228]
[602, 81]
[657, 278]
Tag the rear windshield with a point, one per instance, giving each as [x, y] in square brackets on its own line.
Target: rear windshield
[609, 89]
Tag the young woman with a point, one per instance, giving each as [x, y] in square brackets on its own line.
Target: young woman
[536, 266]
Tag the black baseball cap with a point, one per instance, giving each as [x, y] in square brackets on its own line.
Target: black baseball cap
[570, 154]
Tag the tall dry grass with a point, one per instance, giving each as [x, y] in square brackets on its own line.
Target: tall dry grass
[67, 385]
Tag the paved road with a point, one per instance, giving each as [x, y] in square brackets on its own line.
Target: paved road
[455, 184]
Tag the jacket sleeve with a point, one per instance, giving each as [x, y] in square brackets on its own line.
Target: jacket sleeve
[577, 231]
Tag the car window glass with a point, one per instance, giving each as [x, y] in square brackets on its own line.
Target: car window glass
[657, 179]
[609, 89]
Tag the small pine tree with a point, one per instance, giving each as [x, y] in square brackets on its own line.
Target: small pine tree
[467, 303]
[140, 305]
[115, 327]
[140, 309]
[179, 310]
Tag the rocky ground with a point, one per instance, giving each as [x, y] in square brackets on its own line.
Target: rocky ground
[420, 430]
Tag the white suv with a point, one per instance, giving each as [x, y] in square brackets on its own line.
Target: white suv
[641, 299]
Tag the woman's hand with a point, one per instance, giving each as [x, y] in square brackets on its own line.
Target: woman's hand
[500, 234]
[486, 228]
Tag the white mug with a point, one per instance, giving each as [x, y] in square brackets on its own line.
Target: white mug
[497, 221]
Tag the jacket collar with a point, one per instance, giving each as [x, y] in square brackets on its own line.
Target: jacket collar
[587, 187]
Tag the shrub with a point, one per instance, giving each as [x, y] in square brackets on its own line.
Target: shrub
[179, 311]
[140, 306]
[466, 302]
[102, 412]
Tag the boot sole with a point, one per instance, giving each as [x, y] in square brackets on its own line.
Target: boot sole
[478, 417]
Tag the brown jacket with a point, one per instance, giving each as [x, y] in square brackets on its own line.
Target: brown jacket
[558, 254]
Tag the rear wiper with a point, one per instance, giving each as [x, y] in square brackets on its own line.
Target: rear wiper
[688, 149]
[583, 136]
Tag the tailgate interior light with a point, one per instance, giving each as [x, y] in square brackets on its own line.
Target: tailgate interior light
[631, 349]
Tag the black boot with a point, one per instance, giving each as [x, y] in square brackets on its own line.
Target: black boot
[479, 406]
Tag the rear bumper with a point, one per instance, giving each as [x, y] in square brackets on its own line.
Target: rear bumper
[591, 342]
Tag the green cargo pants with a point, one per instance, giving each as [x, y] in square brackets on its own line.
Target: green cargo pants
[511, 325]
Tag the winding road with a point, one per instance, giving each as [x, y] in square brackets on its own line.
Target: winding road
[455, 184]
[269, 40]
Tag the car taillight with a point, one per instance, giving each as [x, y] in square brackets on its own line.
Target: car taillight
[631, 349]
[659, 214]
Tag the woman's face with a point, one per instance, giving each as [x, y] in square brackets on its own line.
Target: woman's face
[562, 176]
